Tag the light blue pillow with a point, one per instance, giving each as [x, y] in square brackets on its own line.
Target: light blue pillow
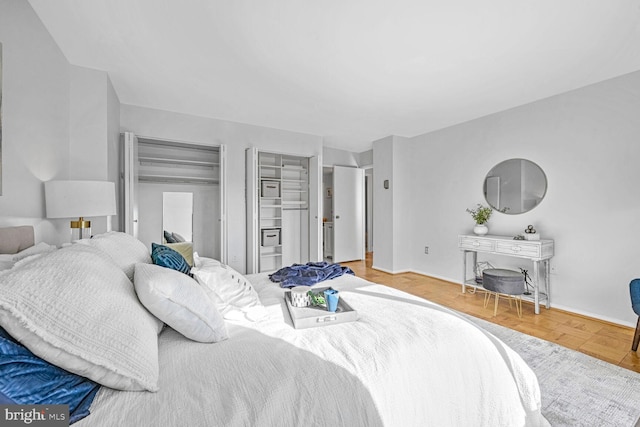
[25, 379]
[167, 257]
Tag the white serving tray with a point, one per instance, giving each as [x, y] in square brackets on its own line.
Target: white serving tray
[311, 317]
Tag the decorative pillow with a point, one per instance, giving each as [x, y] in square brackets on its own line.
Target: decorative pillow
[168, 237]
[185, 249]
[180, 302]
[77, 310]
[125, 250]
[164, 256]
[178, 238]
[25, 379]
[229, 290]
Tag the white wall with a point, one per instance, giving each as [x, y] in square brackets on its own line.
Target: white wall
[113, 142]
[365, 158]
[586, 141]
[336, 157]
[94, 114]
[35, 121]
[237, 137]
[368, 175]
[55, 122]
[383, 220]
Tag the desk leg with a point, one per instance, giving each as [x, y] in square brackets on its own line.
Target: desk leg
[464, 270]
[547, 281]
[536, 287]
[474, 259]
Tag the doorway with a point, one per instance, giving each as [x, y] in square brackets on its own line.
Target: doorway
[343, 214]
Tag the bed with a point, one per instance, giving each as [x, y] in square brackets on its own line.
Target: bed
[232, 357]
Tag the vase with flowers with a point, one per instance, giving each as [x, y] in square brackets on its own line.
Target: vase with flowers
[481, 215]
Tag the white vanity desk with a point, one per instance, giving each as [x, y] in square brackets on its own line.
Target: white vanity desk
[537, 251]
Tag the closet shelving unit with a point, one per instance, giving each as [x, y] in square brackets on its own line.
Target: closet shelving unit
[289, 175]
[177, 162]
[279, 210]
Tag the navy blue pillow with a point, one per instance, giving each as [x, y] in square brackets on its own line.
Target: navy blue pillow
[25, 379]
[167, 257]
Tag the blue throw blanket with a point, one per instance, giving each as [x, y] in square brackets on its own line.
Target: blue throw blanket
[308, 274]
[25, 379]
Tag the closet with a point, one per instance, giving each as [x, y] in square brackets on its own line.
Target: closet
[163, 180]
[283, 210]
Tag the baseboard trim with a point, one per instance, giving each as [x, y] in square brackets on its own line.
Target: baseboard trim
[616, 322]
[446, 279]
[392, 272]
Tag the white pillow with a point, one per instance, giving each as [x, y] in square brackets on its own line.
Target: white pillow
[6, 264]
[40, 248]
[204, 262]
[229, 290]
[125, 250]
[76, 309]
[180, 302]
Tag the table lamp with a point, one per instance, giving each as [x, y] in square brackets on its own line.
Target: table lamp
[80, 199]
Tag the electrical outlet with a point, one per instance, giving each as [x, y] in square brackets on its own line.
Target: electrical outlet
[426, 250]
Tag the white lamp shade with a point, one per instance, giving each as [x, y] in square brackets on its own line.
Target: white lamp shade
[75, 199]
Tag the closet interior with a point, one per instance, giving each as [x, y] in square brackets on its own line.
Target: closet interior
[174, 187]
[280, 222]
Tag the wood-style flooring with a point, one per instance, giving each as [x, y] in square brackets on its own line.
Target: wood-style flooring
[597, 338]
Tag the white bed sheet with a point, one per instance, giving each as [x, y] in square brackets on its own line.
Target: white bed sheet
[405, 362]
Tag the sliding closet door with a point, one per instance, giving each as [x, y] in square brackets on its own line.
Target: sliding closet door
[252, 182]
[130, 197]
[348, 214]
[315, 210]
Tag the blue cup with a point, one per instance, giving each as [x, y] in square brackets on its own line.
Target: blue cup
[331, 297]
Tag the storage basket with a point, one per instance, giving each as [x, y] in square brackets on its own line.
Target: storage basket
[270, 188]
[271, 237]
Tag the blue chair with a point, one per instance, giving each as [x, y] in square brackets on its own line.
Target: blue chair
[634, 288]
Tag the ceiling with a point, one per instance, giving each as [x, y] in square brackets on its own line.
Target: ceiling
[352, 71]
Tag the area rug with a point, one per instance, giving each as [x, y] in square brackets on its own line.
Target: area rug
[576, 389]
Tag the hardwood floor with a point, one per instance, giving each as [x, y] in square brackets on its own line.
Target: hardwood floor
[597, 338]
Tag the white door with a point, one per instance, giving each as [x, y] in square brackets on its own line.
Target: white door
[130, 197]
[222, 179]
[348, 214]
[315, 210]
[253, 249]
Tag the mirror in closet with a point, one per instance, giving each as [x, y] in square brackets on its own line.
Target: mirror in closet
[177, 216]
[515, 186]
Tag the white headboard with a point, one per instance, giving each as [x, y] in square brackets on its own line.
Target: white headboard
[16, 239]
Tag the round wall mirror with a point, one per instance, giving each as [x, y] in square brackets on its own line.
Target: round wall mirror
[515, 186]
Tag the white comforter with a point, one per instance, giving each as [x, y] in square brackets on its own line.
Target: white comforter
[405, 362]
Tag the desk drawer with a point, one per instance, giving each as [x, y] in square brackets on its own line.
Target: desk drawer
[476, 243]
[518, 248]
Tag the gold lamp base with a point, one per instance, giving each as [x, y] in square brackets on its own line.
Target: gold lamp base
[80, 229]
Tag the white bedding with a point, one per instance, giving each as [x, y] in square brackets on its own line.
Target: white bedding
[405, 362]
